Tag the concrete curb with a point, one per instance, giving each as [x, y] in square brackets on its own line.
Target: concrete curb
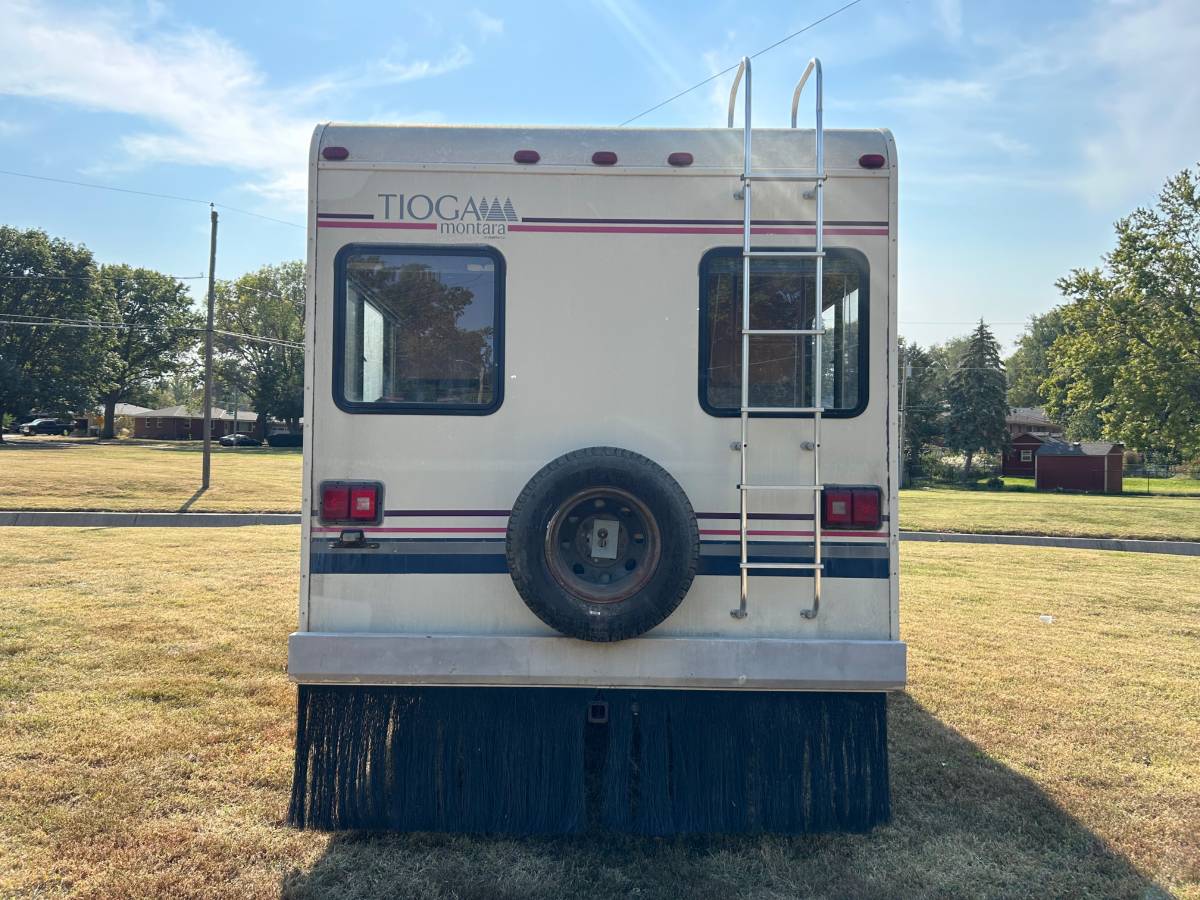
[147, 519]
[232, 520]
[1178, 548]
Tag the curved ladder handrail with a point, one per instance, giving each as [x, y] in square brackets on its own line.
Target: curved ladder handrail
[813, 63]
[743, 68]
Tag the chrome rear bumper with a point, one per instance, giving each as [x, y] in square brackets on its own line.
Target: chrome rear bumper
[761, 664]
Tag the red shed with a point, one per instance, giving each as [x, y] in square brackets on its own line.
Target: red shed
[1018, 459]
[1094, 468]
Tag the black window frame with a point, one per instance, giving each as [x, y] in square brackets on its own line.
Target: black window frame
[859, 259]
[339, 330]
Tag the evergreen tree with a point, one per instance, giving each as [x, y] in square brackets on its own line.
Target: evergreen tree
[976, 397]
[923, 402]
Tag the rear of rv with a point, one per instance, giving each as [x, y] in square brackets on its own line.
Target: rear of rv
[524, 540]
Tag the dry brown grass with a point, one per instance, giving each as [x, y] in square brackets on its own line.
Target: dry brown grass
[148, 476]
[146, 724]
[1027, 512]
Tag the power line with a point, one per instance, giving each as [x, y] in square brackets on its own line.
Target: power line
[55, 322]
[755, 55]
[120, 190]
[80, 277]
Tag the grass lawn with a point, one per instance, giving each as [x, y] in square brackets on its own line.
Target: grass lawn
[146, 728]
[1027, 512]
[150, 476]
[1132, 484]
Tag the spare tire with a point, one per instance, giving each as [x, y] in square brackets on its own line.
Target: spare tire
[602, 544]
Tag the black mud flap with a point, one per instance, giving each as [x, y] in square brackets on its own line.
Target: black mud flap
[547, 761]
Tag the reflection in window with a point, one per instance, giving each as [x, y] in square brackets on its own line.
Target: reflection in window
[419, 329]
[782, 296]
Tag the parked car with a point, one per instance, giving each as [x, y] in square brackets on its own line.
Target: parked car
[285, 439]
[47, 426]
[239, 440]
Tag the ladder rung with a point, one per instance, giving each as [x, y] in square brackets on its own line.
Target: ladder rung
[783, 254]
[770, 175]
[783, 409]
[770, 565]
[755, 332]
[780, 487]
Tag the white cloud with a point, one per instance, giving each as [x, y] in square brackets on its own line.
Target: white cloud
[1147, 95]
[486, 26]
[204, 101]
[10, 128]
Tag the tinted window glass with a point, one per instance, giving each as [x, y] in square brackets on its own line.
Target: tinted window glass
[419, 330]
[783, 295]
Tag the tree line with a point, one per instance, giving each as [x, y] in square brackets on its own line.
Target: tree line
[1119, 360]
[76, 335]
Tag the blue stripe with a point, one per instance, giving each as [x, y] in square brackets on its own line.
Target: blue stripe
[358, 563]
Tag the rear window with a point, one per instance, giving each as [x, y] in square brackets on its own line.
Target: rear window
[419, 330]
[782, 296]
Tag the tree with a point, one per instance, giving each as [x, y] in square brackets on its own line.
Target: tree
[161, 328]
[43, 364]
[975, 395]
[269, 304]
[1127, 366]
[923, 401]
[1029, 365]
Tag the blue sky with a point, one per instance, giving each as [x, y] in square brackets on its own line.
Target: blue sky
[1024, 128]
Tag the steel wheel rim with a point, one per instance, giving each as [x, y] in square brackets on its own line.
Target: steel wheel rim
[568, 541]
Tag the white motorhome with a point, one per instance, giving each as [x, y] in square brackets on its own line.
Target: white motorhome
[600, 479]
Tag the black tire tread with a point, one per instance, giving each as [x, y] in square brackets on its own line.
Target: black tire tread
[526, 584]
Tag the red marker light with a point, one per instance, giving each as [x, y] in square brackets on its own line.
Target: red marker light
[604, 158]
[680, 158]
[872, 161]
[335, 153]
[528, 157]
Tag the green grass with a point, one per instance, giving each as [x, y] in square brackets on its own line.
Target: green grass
[146, 727]
[1028, 512]
[149, 476]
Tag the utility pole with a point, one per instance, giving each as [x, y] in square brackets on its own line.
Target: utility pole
[208, 354]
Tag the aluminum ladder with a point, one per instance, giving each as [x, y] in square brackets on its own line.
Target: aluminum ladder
[749, 254]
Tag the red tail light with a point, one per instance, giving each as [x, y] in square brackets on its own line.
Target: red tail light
[335, 502]
[839, 506]
[362, 503]
[351, 503]
[852, 507]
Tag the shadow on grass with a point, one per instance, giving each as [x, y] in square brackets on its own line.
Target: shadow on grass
[190, 501]
[963, 825]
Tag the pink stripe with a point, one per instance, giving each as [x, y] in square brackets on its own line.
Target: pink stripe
[417, 530]
[688, 229]
[734, 531]
[358, 223]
